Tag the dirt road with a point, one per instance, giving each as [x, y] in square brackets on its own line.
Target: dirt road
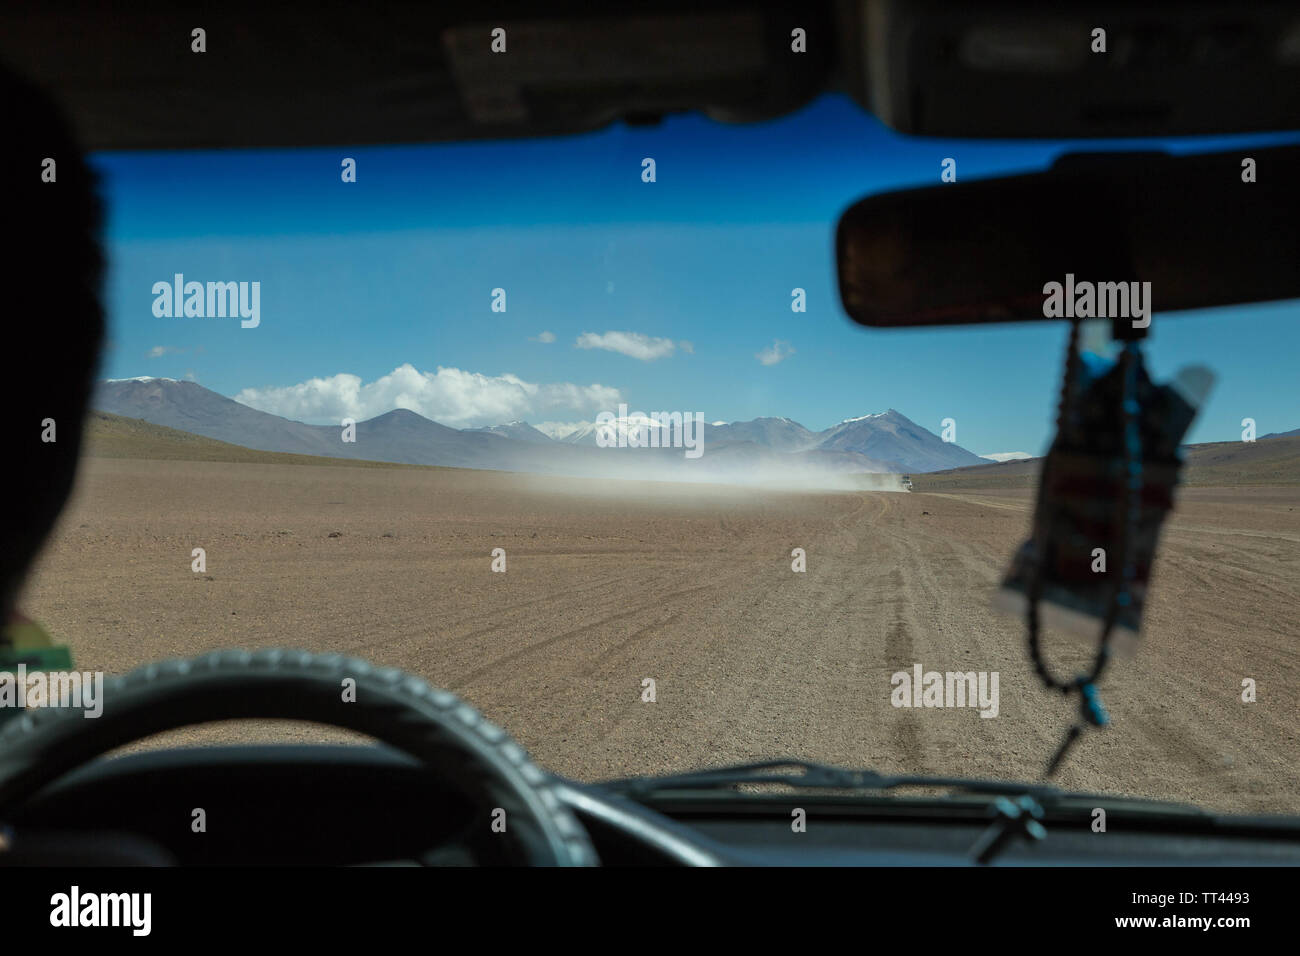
[611, 583]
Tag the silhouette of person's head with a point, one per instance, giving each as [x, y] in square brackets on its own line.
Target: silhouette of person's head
[51, 269]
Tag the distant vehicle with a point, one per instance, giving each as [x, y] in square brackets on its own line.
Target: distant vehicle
[907, 482]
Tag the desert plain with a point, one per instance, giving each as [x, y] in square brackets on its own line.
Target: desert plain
[608, 583]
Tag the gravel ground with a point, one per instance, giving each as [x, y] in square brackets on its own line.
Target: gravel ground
[610, 583]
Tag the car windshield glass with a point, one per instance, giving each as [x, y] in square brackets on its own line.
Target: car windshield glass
[578, 429]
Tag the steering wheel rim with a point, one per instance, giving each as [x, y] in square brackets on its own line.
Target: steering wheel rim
[396, 708]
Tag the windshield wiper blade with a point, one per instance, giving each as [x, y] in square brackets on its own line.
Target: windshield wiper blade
[803, 774]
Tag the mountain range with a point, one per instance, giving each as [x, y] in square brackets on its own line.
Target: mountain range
[765, 449]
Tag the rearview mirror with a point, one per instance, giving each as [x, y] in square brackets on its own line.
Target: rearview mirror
[1204, 230]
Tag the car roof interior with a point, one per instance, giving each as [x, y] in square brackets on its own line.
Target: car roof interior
[321, 73]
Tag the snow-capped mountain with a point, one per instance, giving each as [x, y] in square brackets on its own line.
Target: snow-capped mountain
[641, 428]
[892, 436]
[781, 434]
[879, 443]
[1001, 456]
[520, 431]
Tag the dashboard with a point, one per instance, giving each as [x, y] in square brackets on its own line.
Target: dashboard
[372, 805]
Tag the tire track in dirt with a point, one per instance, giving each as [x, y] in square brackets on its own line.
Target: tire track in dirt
[752, 671]
[543, 644]
[694, 588]
[948, 580]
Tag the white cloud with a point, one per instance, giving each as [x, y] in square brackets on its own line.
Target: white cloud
[545, 337]
[449, 395]
[1007, 456]
[632, 344]
[158, 351]
[778, 351]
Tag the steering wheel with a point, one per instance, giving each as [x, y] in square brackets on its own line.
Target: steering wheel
[449, 737]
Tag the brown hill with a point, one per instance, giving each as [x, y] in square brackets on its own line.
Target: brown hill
[115, 436]
[1272, 461]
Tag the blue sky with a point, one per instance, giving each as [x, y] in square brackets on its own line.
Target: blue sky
[369, 289]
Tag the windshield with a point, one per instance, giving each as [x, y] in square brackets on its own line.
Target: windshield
[577, 428]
